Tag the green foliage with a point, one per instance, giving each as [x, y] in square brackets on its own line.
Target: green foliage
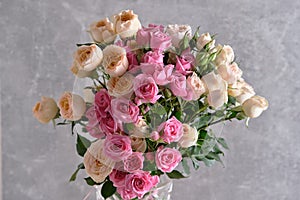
[108, 189]
[91, 182]
[74, 175]
[175, 175]
[82, 145]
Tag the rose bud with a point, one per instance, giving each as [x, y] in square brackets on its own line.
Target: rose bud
[254, 106]
[45, 110]
[203, 40]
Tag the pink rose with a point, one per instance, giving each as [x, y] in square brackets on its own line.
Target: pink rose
[143, 35]
[145, 89]
[178, 84]
[91, 114]
[124, 110]
[153, 57]
[138, 184]
[160, 41]
[183, 65]
[163, 75]
[108, 124]
[167, 159]
[149, 68]
[131, 57]
[117, 147]
[134, 162]
[118, 177]
[171, 130]
[126, 194]
[102, 102]
[95, 131]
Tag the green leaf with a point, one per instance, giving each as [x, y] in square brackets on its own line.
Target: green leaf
[204, 120]
[231, 100]
[90, 181]
[215, 156]
[208, 162]
[74, 175]
[222, 142]
[175, 175]
[82, 145]
[185, 166]
[108, 189]
[195, 163]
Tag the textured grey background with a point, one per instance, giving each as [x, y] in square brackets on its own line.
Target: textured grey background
[38, 38]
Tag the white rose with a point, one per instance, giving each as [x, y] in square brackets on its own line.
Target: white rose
[45, 110]
[97, 165]
[86, 59]
[126, 23]
[88, 95]
[217, 98]
[72, 106]
[204, 39]
[189, 138]
[197, 86]
[254, 106]
[115, 62]
[177, 33]
[121, 86]
[230, 73]
[103, 31]
[241, 91]
[225, 56]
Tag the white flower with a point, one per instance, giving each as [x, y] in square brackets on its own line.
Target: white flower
[103, 31]
[204, 39]
[126, 23]
[190, 136]
[197, 86]
[121, 86]
[225, 56]
[241, 91]
[177, 33]
[230, 73]
[254, 106]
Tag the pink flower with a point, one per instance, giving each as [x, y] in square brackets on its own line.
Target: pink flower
[145, 89]
[91, 114]
[171, 130]
[143, 35]
[134, 162]
[153, 57]
[178, 84]
[160, 41]
[126, 194]
[163, 75]
[138, 184]
[117, 147]
[124, 110]
[131, 57]
[183, 65]
[118, 177]
[95, 131]
[149, 68]
[154, 135]
[167, 159]
[108, 124]
[102, 102]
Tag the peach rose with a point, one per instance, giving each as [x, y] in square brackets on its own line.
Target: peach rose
[189, 138]
[225, 56]
[72, 106]
[121, 86]
[254, 106]
[204, 39]
[97, 165]
[126, 24]
[115, 62]
[86, 59]
[45, 110]
[103, 31]
[241, 91]
[196, 85]
[230, 73]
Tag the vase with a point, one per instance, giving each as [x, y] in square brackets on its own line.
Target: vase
[162, 191]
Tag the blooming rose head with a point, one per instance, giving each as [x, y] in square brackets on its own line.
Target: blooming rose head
[153, 57]
[160, 41]
[177, 33]
[45, 110]
[107, 124]
[190, 136]
[178, 84]
[230, 73]
[195, 86]
[138, 144]
[102, 102]
[163, 74]
[171, 130]
[97, 165]
[118, 177]
[121, 86]
[254, 106]
[225, 56]
[124, 110]
[72, 106]
[143, 35]
[86, 59]
[117, 147]
[204, 39]
[241, 91]
[115, 62]
[134, 162]
[145, 88]
[167, 159]
[183, 65]
[126, 23]
[103, 31]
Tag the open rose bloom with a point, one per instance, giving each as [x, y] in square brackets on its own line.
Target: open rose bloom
[157, 91]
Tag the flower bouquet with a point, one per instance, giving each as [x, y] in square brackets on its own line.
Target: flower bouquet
[155, 94]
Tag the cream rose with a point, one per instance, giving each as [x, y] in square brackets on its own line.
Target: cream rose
[126, 23]
[197, 86]
[88, 95]
[97, 165]
[204, 39]
[103, 31]
[225, 56]
[121, 86]
[138, 144]
[230, 73]
[72, 106]
[115, 62]
[190, 136]
[241, 91]
[216, 87]
[254, 106]
[45, 110]
[177, 33]
[86, 59]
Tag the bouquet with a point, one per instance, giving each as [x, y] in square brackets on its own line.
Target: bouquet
[155, 93]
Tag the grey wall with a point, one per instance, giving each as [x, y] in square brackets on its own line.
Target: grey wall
[38, 38]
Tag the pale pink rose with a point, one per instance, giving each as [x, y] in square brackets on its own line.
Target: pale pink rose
[93, 124]
[155, 136]
[149, 68]
[178, 84]
[177, 33]
[95, 131]
[91, 114]
[117, 147]
[171, 130]
[160, 41]
[163, 75]
[230, 73]
[102, 102]
[217, 98]
[72, 106]
[153, 57]
[125, 193]
[183, 65]
[145, 89]
[45, 110]
[167, 159]
[143, 35]
[139, 183]
[134, 162]
[195, 86]
[132, 59]
[124, 110]
[126, 23]
[107, 124]
[118, 177]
